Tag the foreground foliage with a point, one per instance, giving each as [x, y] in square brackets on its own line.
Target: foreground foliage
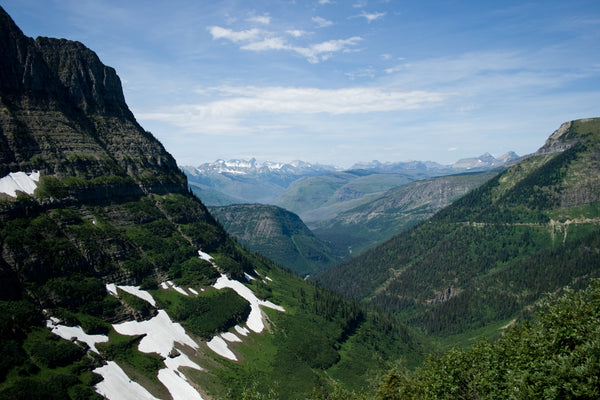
[554, 356]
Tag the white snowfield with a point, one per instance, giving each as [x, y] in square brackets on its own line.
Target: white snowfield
[255, 319]
[134, 290]
[219, 346]
[69, 332]
[19, 182]
[117, 385]
[163, 336]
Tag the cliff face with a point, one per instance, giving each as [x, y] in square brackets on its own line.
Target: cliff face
[63, 112]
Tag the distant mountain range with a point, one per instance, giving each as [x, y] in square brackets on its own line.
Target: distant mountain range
[348, 211]
[247, 181]
[484, 161]
[240, 181]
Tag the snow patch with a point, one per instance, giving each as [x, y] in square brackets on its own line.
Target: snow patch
[219, 346]
[193, 291]
[178, 386]
[205, 256]
[19, 181]
[177, 288]
[112, 289]
[230, 337]
[254, 322]
[68, 332]
[249, 277]
[137, 292]
[241, 330]
[175, 381]
[117, 385]
[160, 332]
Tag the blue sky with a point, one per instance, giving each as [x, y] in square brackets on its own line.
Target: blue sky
[337, 82]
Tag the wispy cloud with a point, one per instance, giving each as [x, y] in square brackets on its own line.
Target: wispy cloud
[370, 17]
[296, 32]
[260, 40]
[234, 103]
[270, 43]
[322, 51]
[261, 19]
[322, 22]
[218, 32]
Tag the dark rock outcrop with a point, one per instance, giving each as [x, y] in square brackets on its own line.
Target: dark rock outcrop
[63, 112]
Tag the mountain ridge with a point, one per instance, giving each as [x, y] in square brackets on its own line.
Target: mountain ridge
[278, 234]
[241, 181]
[106, 244]
[495, 251]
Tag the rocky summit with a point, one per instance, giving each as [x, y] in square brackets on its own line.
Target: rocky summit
[63, 113]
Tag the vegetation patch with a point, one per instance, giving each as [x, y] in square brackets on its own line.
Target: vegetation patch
[207, 314]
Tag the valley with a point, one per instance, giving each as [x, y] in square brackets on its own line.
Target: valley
[126, 276]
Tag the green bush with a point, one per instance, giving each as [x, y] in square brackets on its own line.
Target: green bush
[49, 350]
[196, 271]
[555, 356]
[211, 312]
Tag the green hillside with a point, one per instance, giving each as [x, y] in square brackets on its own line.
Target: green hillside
[554, 355]
[482, 261]
[320, 197]
[278, 235]
[101, 241]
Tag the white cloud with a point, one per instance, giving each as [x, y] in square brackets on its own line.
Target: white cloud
[234, 103]
[296, 32]
[325, 2]
[322, 22]
[272, 43]
[322, 51]
[260, 40]
[223, 33]
[370, 17]
[261, 19]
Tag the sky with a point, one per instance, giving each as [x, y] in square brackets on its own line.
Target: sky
[338, 82]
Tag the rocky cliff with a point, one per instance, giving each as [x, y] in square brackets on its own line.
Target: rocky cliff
[63, 112]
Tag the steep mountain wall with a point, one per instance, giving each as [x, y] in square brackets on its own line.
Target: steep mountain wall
[62, 112]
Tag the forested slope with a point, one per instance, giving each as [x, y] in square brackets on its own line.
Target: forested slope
[531, 230]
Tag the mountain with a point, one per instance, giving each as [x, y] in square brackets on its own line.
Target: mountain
[484, 161]
[116, 281]
[277, 234]
[247, 181]
[317, 198]
[394, 211]
[489, 256]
